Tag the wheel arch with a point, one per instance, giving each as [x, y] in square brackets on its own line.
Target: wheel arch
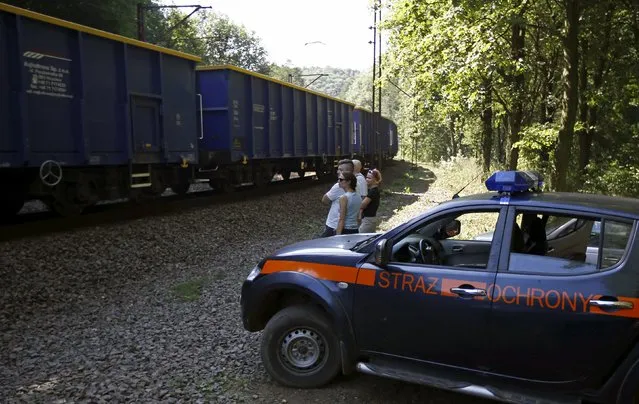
[278, 291]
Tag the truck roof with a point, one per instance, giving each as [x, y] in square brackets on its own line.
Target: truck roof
[582, 201]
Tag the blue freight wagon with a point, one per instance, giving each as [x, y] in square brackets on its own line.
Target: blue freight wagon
[363, 123]
[86, 115]
[373, 145]
[389, 139]
[393, 139]
[255, 126]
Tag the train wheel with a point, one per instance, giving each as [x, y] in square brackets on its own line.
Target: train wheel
[222, 185]
[286, 175]
[181, 188]
[262, 178]
[65, 200]
[10, 206]
[65, 208]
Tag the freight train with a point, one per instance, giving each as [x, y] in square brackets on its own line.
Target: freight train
[87, 115]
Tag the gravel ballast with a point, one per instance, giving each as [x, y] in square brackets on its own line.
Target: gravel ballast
[148, 310]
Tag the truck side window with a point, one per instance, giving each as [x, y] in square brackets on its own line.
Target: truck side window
[615, 241]
[463, 239]
[564, 244]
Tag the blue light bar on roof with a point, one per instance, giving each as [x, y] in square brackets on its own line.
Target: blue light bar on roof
[515, 181]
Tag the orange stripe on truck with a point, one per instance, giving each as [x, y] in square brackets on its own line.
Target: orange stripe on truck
[366, 277]
[335, 273]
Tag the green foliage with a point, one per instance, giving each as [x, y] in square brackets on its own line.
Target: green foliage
[213, 37]
[334, 84]
[115, 16]
[225, 42]
[536, 148]
[285, 72]
[446, 52]
[360, 92]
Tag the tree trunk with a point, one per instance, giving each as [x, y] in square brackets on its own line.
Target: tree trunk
[503, 137]
[582, 134]
[453, 142]
[487, 120]
[585, 140]
[518, 36]
[570, 96]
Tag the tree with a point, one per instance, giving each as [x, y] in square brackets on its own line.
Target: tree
[512, 81]
[228, 43]
[115, 16]
[570, 98]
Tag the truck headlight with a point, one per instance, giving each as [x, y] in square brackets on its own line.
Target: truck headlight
[254, 273]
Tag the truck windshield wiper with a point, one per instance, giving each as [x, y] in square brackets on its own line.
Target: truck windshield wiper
[365, 241]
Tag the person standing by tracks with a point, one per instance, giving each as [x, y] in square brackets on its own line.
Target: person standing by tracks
[349, 204]
[362, 187]
[332, 198]
[368, 210]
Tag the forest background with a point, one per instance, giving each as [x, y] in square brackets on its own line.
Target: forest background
[549, 85]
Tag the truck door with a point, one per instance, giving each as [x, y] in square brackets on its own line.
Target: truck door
[430, 302]
[564, 320]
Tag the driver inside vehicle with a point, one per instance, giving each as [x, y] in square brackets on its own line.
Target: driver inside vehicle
[423, 246]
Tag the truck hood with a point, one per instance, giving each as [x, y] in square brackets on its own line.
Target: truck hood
[334, 249]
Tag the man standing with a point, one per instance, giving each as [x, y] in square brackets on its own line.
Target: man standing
[332, 198]
[362, 187]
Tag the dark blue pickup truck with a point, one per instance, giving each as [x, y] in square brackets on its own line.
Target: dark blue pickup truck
[516, 294]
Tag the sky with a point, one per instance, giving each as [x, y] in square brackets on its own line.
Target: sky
[324, 33]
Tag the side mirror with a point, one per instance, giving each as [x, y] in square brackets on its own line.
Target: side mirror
[451, 229]
[383, 251]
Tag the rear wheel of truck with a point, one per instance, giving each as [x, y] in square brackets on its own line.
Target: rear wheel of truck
[300, 349]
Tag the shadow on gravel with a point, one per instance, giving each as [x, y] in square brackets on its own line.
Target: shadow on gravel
[364, 389]
[403, 184]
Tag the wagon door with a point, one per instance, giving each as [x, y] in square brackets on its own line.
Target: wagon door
[6, 144]
[146, 130]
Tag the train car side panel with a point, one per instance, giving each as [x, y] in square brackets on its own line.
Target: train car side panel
[322, 123]
[10, 148]
[338, 134]
[105, 100]
[299, 134]
[239, 91]
[259, 126]
[356, 144]
[49, 63]
[180, 110]
[394, 139]
[311, 125]
[288, 122]
[344, 127]
[220, 114]
[275, 127]
[384, 143]
[331, 106]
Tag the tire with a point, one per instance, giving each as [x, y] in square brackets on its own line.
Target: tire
[299, 348]
[629, 393]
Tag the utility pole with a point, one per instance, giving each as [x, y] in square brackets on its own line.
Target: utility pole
[143, 7]
[319, 76]
[379, 157]
[373, 130]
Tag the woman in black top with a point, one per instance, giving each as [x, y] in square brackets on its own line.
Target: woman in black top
[368, 210]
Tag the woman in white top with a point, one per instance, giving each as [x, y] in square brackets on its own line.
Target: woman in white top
[349, 205]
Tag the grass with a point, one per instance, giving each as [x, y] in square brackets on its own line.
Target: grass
[190, 291]
[403, 184]
[451, 176]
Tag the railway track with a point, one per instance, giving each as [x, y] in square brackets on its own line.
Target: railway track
[46, 222]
